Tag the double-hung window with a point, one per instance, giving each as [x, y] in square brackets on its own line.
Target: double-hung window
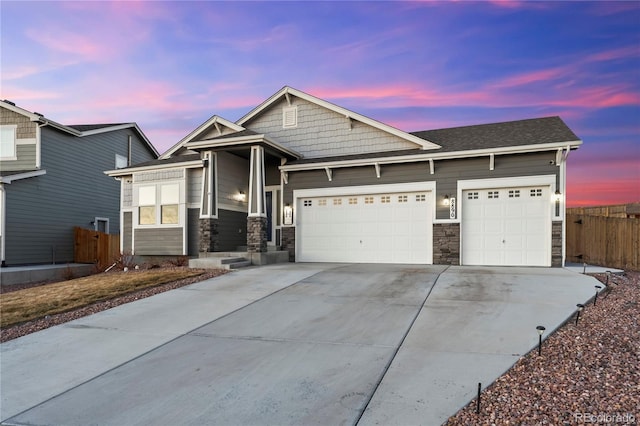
[147, 205]
[169, 199]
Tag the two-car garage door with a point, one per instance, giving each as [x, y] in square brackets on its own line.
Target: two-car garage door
[391, 227]
[506, 226]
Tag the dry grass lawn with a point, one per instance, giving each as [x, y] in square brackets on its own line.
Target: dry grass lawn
[24, 305]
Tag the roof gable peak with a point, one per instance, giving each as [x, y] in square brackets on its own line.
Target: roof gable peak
[288, 91]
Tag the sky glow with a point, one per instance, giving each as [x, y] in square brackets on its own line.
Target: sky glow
[169, 66]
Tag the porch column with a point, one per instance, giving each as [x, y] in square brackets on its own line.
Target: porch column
[257, 217]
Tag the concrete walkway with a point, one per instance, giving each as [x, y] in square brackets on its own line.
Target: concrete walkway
[378, 341]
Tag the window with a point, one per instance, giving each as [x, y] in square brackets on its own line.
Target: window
[121, 161]
[8, 142]
[307, 203]
[169, 197]
[402, 198]
[322, 202]
[536, 192]
[385, 199]
[147, 205]
[472, 196]
[421, 197]
[289, 117]
[353, 200]
[159, 204]
[493, 194]
[337, 201]
[368, 200]
[514, 193]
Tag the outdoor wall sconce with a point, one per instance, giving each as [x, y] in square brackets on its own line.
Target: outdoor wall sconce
[541, 330]
[580, 307]
[287, 213]
[446, 200]
[241, 196]
[558, 196]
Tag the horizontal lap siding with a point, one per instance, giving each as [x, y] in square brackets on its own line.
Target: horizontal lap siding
[232, 231]
[447, 174]
[127, 232]
[193, 236]
[158, 241]
[42, 211]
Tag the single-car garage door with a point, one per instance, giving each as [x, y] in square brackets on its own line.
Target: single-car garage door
[506, 226]
[385, 228]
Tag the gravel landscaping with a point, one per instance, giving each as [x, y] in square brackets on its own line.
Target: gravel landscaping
[588, 373]
[14, 332]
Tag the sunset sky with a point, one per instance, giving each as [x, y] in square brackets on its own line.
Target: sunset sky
[169, 66]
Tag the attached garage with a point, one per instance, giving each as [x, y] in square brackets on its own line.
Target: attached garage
[506, 226]
[373, 227]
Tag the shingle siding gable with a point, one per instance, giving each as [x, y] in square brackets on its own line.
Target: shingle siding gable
[323, 133]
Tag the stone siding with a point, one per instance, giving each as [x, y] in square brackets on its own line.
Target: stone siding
[446, 244]
[256, 234]
[208, 235]
[288, 242]
[556, 244]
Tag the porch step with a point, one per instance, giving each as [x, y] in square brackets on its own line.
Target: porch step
[219, 262]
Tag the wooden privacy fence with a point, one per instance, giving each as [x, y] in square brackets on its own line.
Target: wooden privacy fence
[95, 247]
[605, 241]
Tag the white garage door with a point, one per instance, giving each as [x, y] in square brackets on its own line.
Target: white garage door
[506, 226]
[385, 228]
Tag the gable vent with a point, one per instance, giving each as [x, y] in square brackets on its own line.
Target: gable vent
[289, 116]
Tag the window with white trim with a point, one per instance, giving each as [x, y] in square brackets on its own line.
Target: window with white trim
[421, 198]
[169, 200]
[307, 203]
[536, 192]
[8, 149]
[402, 198]
[514, 193]
[368, 200]
[121, 161]
[337, 201]
[353, 200]
[147, 205]
[472, 196]
[385, 199]
[322, 202]
[493, 194]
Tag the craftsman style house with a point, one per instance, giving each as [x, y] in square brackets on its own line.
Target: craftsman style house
[51, 180]
[327, 184]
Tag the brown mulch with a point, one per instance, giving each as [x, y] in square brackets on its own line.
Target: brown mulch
[589, 373]
[20, 330]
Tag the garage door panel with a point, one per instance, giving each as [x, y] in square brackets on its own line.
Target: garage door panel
[394, 227]
[506, 226]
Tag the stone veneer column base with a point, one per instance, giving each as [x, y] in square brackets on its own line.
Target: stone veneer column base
[208, 235]
[446, 244]
[288, 241]
[256, 234]
[556, 244]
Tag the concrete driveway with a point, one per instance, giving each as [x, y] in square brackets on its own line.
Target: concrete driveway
[290, 344]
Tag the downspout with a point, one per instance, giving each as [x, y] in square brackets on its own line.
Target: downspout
[3, 209]
[563, 201]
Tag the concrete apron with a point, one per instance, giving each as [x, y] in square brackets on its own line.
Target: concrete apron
[477, 322]
[319, 352]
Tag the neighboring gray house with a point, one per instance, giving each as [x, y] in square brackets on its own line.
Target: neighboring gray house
[51, 180]
[330, 185]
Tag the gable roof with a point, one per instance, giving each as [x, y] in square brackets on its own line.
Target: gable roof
[215, 121]
[287, 91]
[79, 130]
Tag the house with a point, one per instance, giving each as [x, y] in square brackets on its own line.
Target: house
[51, 180]
[327, 184]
